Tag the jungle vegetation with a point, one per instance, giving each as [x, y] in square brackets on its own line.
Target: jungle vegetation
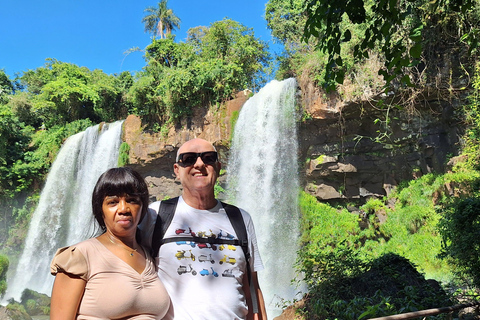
[357, 47]
[367, 45]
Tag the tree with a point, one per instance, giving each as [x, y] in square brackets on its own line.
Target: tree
[213, 64]
[61, 92]
[286, 19]
[160, 20]
[395, 27]
[15, 139]
[6, 87]
[460, 228]
[236, 46]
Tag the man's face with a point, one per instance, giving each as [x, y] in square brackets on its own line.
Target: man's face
[198, 177]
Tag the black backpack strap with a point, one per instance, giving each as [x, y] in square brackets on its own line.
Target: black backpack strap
[236, 219]
[164, 218]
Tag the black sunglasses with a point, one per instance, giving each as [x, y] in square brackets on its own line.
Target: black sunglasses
[190, 158]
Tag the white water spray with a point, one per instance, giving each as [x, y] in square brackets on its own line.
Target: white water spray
[64, 215]
[263, 179]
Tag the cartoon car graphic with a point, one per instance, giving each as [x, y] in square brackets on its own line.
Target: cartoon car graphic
[228, 246]
[226, 259]
[181, 255]
[184, 269]
[203, 258]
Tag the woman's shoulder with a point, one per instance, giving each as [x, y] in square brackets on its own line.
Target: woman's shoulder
[72, 259]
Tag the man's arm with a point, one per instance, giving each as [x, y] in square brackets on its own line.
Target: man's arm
[262, 313]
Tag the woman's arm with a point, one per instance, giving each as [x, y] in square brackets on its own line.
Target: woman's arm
[66, 295]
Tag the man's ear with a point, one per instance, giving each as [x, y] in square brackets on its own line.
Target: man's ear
[175, 169]
[218, 167]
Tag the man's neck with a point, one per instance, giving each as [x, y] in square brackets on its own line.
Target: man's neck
[198, 201]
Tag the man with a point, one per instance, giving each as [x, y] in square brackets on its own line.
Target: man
[204, 280]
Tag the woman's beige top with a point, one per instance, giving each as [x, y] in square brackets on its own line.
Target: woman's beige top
[114, 290]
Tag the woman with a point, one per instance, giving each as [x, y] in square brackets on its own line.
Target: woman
[110, 276]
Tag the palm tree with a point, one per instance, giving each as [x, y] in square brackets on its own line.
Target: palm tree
[160, 20]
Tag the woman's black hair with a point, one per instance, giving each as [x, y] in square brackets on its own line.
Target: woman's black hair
[118, 182]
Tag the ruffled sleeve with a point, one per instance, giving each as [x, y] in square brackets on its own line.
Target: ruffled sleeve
[70, 261]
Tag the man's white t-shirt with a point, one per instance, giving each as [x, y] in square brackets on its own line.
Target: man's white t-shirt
[204, 281]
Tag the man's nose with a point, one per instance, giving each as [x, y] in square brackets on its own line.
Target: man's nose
[199, 162]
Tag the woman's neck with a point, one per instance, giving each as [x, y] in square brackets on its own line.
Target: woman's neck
[128, 241]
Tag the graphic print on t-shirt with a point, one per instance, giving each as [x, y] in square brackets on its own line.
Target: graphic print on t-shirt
[186, 254]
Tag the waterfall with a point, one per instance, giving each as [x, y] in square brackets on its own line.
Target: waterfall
[64, 215]
[263, 180]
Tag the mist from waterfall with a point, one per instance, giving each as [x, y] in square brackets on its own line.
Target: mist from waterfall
[263, 180]
[64, 215]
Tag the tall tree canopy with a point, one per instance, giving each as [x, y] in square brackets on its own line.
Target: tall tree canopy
[396, 27]
[160, 20]
[332, 39]
[60, 92]
[213, 64]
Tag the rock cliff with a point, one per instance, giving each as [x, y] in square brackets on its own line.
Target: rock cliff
[346, 150]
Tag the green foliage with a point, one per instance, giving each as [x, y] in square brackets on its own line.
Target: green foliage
[286, 19]
[233, 122]
[14, 143]
[45, 146]
[338, 248]
[6, 87]
[124, 154]
[328, 237]
[387, 285]
[394, 28]
[14, 306]
[472, 121]
[460, 225]
[210, 67]
[4, 263]
[35, 303]
[60, 92]
[218, 189]
[25, 158]
[369, 43]
[460, 228]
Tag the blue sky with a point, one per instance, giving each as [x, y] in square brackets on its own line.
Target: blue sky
[96, 33]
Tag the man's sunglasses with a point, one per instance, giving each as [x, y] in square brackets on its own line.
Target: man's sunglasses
[190, 158]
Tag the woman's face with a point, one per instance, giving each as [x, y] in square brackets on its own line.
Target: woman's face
[122, 214]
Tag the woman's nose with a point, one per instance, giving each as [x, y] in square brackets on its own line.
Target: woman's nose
[123, 205]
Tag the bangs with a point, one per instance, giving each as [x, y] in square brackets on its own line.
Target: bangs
[125, 186]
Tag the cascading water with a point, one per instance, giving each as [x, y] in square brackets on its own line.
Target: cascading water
[64, 215]
[263, 179]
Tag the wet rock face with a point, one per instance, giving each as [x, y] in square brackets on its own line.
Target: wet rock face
[344, 158]
[345, 150]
